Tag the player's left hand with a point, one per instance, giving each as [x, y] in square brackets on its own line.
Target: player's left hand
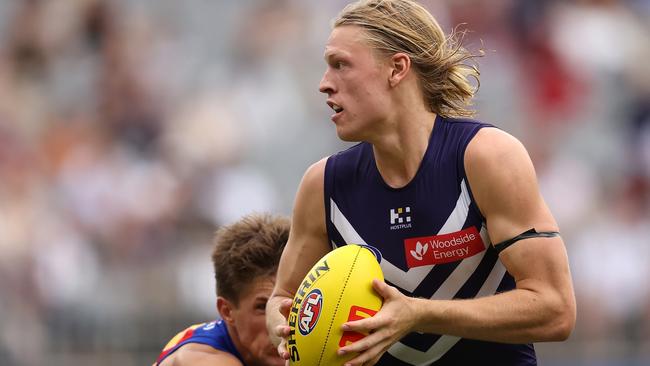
[395, 319]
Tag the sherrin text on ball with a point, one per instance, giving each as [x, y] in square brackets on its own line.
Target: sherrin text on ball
[337, 289]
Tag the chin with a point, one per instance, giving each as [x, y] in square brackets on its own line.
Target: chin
[348, 136]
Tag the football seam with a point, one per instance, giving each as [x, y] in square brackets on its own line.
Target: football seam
[338, 303]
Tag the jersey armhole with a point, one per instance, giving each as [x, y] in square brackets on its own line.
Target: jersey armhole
[328, 186]
[470, 137]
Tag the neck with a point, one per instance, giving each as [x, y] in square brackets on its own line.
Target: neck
[241, 348]
[400, 150]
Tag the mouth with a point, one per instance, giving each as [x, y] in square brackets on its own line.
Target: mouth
[335, 107]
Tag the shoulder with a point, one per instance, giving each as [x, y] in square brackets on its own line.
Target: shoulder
[504, 183]
[195, 354]
[499, 171]
[309, 211]
[315, 173]
[312, 183]
[494, 151]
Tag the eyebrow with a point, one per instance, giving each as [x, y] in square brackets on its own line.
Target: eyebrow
[328, 54]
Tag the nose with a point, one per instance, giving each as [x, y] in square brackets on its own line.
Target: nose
[325, 85]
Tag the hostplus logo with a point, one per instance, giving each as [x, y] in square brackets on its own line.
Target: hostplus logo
[400, 218]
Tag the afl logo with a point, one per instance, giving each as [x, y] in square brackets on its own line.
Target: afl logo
[310, 311]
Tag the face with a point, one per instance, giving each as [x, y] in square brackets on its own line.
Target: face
[247, 325]
[356, 84]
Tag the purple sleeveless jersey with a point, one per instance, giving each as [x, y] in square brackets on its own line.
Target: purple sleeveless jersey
[432, 238]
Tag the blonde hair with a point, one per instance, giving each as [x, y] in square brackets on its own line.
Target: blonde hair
[444, 67]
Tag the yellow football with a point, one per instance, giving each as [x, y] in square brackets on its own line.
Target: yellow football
[337, 289]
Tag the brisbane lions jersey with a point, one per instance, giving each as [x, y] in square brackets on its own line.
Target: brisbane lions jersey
[214, 334]
[432, 238]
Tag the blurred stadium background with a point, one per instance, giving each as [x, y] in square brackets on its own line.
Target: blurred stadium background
[131, 129]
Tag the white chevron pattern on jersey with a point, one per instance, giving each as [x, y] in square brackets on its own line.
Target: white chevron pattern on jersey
[445, 342]
[411, 279]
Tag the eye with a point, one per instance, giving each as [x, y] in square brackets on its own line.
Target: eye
[260, 306]
[336, 64]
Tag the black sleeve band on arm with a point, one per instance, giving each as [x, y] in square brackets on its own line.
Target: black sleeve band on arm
[532, 233]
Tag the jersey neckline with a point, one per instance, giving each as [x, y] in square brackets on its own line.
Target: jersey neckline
[436, 126]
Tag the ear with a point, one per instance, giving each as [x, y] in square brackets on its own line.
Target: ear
[400, 64]
[225, 309]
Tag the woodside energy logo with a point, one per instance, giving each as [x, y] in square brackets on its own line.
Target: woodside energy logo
[445, 248]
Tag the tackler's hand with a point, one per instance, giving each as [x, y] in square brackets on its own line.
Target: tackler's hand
[395, 319]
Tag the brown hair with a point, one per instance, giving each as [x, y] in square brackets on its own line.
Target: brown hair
[246, 250]
[444, 67]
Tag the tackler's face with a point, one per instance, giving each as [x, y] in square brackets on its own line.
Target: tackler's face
[356, 84]
[249, 324]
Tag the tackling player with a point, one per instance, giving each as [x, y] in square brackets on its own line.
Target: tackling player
[245, 259]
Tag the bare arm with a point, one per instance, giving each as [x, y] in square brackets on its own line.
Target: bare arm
[307, 243]
[540, 308]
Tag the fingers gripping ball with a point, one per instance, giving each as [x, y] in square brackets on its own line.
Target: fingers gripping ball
[337, 289]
